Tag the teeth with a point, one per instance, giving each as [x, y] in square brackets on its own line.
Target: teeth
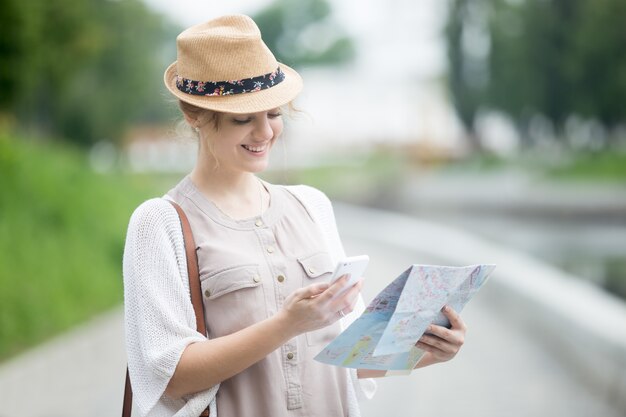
[254, 148]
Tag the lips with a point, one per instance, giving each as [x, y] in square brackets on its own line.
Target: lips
[255, 149]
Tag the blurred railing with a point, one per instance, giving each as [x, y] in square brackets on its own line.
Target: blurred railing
[586, 326]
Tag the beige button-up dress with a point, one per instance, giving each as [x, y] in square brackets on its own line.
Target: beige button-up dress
[247, 269]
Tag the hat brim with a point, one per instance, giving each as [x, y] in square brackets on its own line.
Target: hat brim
[252, 102]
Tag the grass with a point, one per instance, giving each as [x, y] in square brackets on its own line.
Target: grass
[592, 166]
[602, 166]
[62, 230]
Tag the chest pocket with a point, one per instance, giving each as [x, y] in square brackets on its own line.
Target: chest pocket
[318, 267]
[233, 298]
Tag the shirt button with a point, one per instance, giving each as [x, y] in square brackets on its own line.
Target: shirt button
[280, 278]
[311, 270]
[270, 249]
[259, 223]
[256, 278]
[207, 293]
[290, 356]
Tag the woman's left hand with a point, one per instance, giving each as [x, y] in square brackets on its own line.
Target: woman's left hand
[442, 344]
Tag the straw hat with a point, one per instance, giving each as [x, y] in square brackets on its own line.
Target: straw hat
[224, 65]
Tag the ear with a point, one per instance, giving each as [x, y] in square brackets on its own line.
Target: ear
[192, 121]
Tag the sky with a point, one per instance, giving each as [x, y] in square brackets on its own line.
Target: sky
[384, 24]
[394, 91]
[191, 12]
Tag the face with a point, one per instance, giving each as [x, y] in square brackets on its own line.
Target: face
[243, 141]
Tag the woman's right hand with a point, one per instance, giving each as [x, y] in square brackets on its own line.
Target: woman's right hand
[315, 306]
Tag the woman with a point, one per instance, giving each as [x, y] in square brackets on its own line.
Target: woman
[265, 254]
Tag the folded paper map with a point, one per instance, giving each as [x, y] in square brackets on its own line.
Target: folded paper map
[384, 336]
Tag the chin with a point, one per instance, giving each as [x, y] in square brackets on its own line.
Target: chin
[256, 168]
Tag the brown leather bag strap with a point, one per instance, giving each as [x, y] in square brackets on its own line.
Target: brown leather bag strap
[192, 270]
[128, 397]
[196, 299]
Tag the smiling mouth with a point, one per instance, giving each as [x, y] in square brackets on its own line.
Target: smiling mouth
[255, 149]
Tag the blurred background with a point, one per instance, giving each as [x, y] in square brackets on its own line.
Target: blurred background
[501, 120]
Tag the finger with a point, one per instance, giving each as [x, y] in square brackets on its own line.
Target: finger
[341, 281]
[454, 317]
[355, 299]
[439, 344]
[311, 290]
[425, 347]
[439, 331]
[438, 354]
[334, 289]
[452, 336]
[348, 299]
[353, 295]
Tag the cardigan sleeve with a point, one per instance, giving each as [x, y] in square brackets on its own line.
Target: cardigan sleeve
[159, 318]
[320, 208]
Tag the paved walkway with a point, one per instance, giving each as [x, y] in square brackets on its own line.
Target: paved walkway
[78, 374]
[502, 370]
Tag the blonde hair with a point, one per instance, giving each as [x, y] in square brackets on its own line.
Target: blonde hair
[202, 115]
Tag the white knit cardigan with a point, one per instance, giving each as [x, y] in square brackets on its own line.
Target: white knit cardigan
[159, 318]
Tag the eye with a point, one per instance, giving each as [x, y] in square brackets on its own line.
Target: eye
[242, 121]
[274, 115]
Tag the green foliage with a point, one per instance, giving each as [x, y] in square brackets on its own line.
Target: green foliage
[301, 32]
[598, 63]
[81, 69]
[554, 58]
[62, 230]
[598, 166]
[464, 85]
[530, 66]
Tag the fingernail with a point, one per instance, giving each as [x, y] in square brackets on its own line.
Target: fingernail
[445, 308]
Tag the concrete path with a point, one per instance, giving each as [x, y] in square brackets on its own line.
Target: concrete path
[78, 374]
[503, 370]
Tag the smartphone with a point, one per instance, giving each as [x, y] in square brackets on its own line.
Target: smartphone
[353, 265]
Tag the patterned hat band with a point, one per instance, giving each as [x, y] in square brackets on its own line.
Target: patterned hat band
[225, 88]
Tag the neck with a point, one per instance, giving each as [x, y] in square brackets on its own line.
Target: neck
[219, 182]
[238, 195]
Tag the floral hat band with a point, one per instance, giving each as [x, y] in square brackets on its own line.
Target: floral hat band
[224, 88]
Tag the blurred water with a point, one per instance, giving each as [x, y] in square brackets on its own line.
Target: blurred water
[593, 250]
[580, 228]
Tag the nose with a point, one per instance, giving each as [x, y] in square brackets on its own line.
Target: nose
[263, 130]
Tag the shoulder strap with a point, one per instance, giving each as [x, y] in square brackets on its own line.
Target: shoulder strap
[196, 299]
[192, 269]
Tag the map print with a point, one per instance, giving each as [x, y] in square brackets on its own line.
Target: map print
[384, 336]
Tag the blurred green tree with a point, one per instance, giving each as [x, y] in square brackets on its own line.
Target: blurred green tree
[464, 69]
[554, 58]
[598, 61]
[302, 32]
[82, 70]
